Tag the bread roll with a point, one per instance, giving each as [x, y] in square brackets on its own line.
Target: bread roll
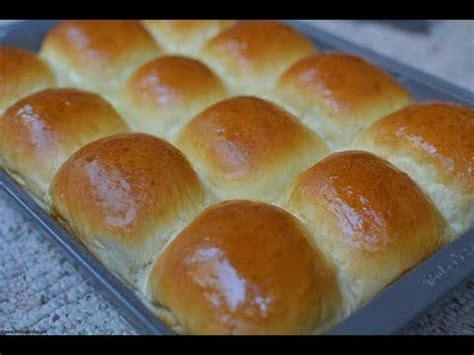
[39, 132]
[185, 36]
[246, 147]
[97, 55]
[251, 55]
[434, 143]
[370, 218]
[165, 93]
[339, 94]
[124, 196]
[245, 267]
[21, 74]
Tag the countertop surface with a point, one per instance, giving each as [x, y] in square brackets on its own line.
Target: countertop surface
[41, 291]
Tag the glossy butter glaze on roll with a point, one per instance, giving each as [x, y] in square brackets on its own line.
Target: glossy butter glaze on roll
[97, 55]
[370, 218]
[165, 93]
[185, 36]
[124, 196]
[245, 267]
[39, 132]
[434, 143]
[21, 74]
[246, 147]
[338, 95]
[251, 55]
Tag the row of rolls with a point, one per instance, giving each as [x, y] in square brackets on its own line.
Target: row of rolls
[239, 179]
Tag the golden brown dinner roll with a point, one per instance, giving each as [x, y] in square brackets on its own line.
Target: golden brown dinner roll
[124, 196]
[165, 93]
[39, 132]
[245, 267]
[97, 55]
[339, 94]
[246, 147]
[369, 217]
[434, 143]
[21, 73]
[251, 55]
[184, 36]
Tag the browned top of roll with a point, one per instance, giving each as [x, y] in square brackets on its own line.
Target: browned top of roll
[245, 267]
[239, 138]
[179, 35]
[256, 51]
[183, 29]
[98, 48]
[343, 85]
[171, 81]
[21, 73]
[439, 133]
[39, 132]
[125, 187]
[249, 43]
[377, 207]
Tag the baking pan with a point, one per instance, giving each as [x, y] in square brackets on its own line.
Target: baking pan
[388, 313]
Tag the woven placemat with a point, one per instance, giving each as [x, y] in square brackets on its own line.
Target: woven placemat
[41, 290]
